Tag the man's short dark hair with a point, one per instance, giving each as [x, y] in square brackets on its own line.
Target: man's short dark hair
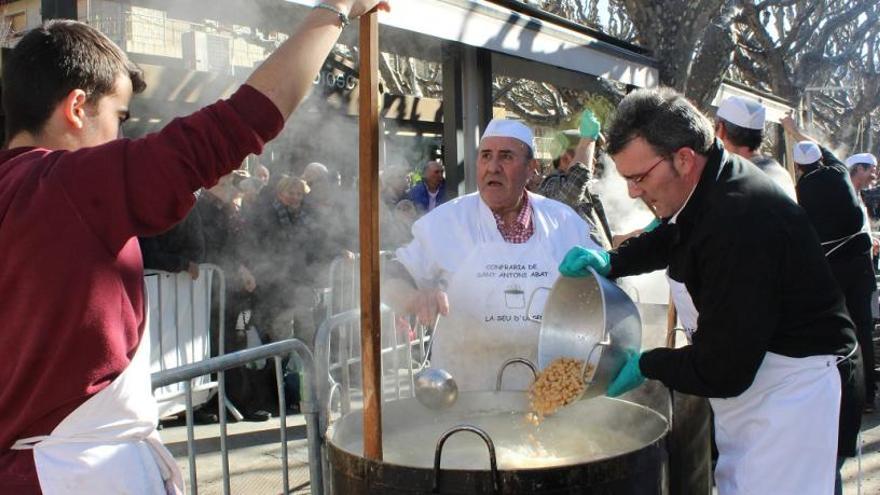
[859, 166]
[51, 61]
[742, 136]
[662, 117]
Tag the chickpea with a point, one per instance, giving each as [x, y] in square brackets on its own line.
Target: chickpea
[558, 385]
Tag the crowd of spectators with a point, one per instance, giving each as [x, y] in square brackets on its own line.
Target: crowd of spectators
[274, 238]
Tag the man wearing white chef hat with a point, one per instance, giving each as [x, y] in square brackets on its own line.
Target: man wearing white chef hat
[739, 123]
[862, 173]
[862, 170]
[833, 206]
[478, 258]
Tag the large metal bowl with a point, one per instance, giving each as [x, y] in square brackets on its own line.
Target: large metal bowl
[589, 318]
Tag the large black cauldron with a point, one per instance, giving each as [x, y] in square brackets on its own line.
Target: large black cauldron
[596, 446]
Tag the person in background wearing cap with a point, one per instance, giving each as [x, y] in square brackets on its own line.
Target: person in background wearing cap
[478, 258]
[739, 124]
[570, 182]
[769, 322]
[862, 173]
[827, 195]
[78, 411]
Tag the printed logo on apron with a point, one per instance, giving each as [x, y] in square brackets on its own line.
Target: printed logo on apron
[487, 322]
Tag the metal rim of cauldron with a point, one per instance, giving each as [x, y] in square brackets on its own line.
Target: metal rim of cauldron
[640, 470]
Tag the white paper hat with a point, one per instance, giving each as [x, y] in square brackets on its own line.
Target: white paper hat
[807, 152]
[511, 129]
[742, 112]
[861, 159]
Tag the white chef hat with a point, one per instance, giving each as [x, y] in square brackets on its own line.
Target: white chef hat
[742, 112]
[807, 152]
[511, 129]
[861, 159]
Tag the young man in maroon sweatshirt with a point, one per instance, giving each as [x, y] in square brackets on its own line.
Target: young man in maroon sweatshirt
[74, 197]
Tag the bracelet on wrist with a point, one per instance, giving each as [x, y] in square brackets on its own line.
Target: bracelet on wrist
[343, 18]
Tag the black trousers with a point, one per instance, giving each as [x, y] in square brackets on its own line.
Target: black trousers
[852, 401]
[856, 279]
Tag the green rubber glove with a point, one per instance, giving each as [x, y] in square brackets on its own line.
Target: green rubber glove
[590, 125]
[653, 225]
[629, 377]
[578, 259]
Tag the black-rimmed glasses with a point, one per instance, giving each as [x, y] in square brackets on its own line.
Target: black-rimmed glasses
[636, 179]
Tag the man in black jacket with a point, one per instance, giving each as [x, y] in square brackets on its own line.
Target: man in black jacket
[833, 205]
[180, 249]
[827, 195]
[770, 323]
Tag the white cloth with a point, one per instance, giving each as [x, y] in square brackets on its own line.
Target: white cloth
[180, 328]
[743, 112]
[489, 282]
[861, 158]
[684, 306]
[487, 323]
[767, 441]
[806, 152]
[432, 199]
[780, 435]
[109, 444]
[509, 128]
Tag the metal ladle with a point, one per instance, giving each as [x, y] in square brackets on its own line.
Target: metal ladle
[435, 388]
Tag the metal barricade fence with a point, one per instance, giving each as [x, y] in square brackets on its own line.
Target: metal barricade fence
[338, 361]
[338, 345]
[338, 366]
[300, 354]
[338, 351]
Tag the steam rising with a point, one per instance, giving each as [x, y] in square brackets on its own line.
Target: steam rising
[626, 214]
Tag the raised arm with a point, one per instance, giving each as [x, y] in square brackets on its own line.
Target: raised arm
[793, 130]
[286, 76]
[144, 186]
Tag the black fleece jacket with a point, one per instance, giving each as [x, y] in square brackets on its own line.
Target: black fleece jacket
[754, 267]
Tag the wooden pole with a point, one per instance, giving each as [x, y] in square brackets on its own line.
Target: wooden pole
[671, 317]
[369, 234]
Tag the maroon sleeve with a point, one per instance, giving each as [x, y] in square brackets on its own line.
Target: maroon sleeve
[144, 186]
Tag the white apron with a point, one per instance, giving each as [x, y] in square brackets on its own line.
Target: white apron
[109, 444]
[684, 306]
[487, 322]
[779, 436]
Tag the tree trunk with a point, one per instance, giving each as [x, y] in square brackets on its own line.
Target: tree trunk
[672, 29]
[714, 59]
